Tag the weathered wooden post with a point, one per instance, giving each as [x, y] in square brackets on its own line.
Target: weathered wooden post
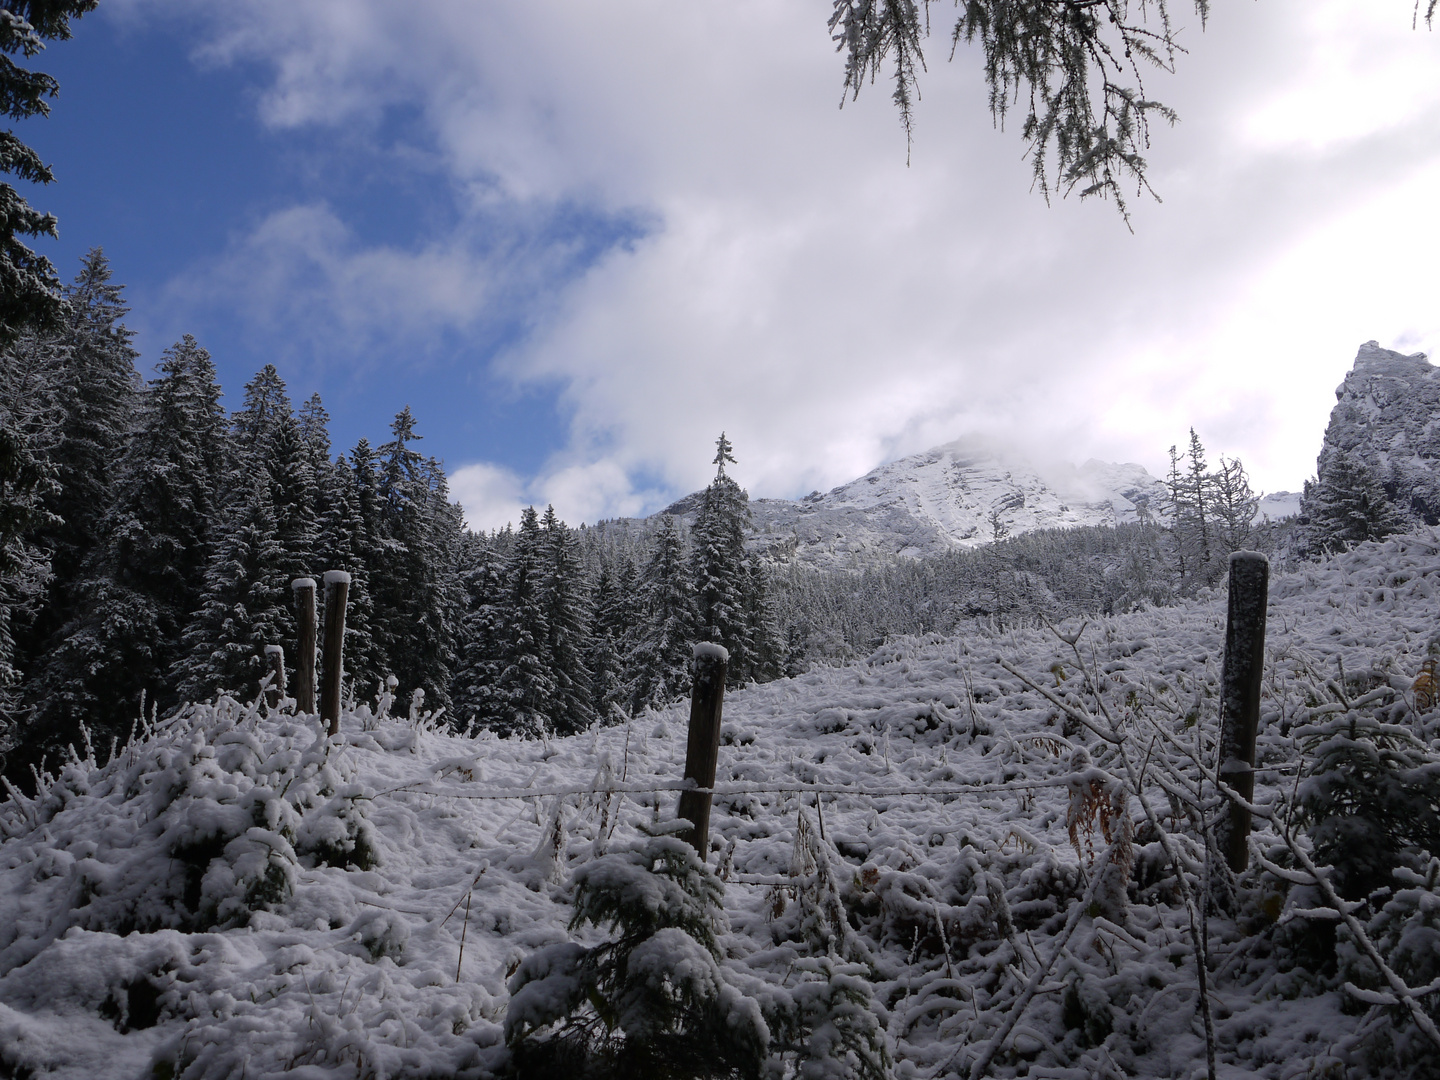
[1240, 698]
[707, 695]
[305, 656]
[275, 656]
[337, 591]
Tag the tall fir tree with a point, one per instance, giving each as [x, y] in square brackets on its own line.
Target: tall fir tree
[363, 531]
[1233, 506]
[720, 566]
[474, 690]
[1191, 511]
[270, 442]
[566, 594]
[343, 544]
[415, 580]
[668, 623]
[243, 607]
[526, 687]
[27, 482]
[90, 389]
[140, 588]
[614, 617]
[1345, 505]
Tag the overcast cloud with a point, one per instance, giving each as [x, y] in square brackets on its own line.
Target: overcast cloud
[802, 288]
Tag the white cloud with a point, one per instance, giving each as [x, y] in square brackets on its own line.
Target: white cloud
[491, 495]
[830, 307]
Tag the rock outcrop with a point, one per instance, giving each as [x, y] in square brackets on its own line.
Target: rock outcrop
[1387, 419]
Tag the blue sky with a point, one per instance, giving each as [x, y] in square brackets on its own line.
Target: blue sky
[162, 160]
[581, 239]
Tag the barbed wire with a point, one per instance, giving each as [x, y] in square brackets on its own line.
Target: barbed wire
[738, 788]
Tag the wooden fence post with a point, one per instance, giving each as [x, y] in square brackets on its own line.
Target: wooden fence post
[1240, 698]
[337, 591]
[275, 654]
[305, 655]
[707, 695]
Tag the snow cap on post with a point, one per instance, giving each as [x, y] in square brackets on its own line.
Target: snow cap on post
[708, 650]
[271, 650]
[337, 577]
[302, 583]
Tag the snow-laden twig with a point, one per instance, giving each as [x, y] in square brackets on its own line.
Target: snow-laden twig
[1017, 1010]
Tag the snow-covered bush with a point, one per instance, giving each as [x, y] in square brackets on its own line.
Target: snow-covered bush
[215, 843]
[826, 1024]
[1371, 797]
[338, 832]
[382, 932]
[652, 1002]
[1406, 932]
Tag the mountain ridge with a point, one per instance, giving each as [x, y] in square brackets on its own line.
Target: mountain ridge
[955, 495]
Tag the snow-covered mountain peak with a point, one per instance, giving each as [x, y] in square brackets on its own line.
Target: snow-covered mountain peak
[960, 494]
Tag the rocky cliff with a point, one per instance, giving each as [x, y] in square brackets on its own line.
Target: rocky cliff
[1387, 418]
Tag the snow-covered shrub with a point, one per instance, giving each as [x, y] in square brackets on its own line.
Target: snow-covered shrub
[1406, 932]
[1371, 798]
[1098, 805]
[382, 932]
[1085, 1007]
[215, 843]
[825, 1021]
[338, 832]
[817, 916]
[652, 1002]
[827, 1025]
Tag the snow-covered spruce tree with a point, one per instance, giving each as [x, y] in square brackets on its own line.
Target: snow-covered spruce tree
[1345, 505]
[652, 1002]
[566, 594]
[142, 586]
[269, 443]
[526, 688]
[342, 544]
[1371, 797]
[1406, 933]
[474, 689]
[1232, 507]
[89, 389]
[28, 288]
[415, 573]
[362, 527]
[768, 652]
[27, 478]
[667, 627]
[1190, 497]
[244, 606]
[720, 567]
[613, 614]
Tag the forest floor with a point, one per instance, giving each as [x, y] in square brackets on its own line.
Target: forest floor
[1002, 818]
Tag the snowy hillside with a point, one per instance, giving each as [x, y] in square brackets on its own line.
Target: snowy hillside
[944, 833]
[953, 495]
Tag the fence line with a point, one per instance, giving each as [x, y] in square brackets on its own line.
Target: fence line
[738, 788]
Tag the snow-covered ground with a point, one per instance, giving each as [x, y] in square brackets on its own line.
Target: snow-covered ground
[235, 895]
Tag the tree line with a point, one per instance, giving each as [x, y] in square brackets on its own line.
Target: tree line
[148, 540]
